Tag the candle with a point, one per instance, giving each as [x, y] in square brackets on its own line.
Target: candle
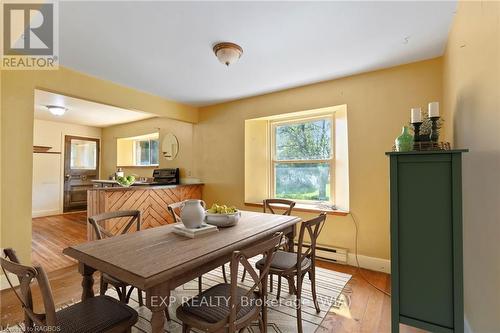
[416, 115]
[433, 109]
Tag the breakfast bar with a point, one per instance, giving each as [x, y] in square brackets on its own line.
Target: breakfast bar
[152, 201]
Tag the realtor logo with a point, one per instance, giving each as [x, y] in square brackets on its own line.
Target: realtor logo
[29, 36]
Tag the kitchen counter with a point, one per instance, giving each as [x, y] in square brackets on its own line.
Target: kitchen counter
[113, 185]
[151, 200]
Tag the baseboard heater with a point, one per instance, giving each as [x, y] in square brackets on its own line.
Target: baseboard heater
[330, 253]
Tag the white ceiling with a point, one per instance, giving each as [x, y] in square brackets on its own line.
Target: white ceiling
[165, 48]
[84, 112]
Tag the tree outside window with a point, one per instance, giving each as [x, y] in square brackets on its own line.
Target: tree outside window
[303, 159]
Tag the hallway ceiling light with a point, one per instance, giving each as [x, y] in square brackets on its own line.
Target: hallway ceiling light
[228, 53]
[57, 110]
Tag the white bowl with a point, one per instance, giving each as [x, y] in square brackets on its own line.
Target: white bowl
[222, 220]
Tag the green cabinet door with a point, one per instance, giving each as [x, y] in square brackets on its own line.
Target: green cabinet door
[426, 240]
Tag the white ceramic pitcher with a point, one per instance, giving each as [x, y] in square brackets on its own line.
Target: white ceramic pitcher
[193, 213]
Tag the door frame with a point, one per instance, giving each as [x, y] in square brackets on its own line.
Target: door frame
[66, 140]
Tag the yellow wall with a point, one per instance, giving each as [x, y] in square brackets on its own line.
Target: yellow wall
[257, 160]
[472, 100]
[378, 104]
[124, 153]
[182, 130]
[17, 135]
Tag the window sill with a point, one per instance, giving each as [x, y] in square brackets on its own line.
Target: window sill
[307, 208]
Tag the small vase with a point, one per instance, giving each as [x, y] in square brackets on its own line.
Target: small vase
[404, 142]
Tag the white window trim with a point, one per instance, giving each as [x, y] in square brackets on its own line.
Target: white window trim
[272, 124]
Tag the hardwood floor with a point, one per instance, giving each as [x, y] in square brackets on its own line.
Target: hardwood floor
[51, 234]
[365, 310]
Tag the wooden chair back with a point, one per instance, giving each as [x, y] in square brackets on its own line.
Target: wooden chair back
[289, 204]
[313, 228]
[101, 232]
[267, 248]
[175, 210]
[25, 275]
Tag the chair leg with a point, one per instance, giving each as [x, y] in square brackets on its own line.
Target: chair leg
[224, 273]
[263, 297]
[185, 328]
[128, 294]
[312, 277]
[270, 283]
[121, 294]
[299, 303]
[261, 324]
[244, 274]
[141, 301]
[279, 288]
[102, 287]
[28, 324]
[291, 285]
[200, 284]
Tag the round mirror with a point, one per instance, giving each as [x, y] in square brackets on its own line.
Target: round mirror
[170, 146]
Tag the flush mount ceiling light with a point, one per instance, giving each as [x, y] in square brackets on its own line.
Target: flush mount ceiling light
[228, 53]
[57, 110]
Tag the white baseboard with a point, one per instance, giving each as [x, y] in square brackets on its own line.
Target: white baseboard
[4, 284]
[371, 263]
[48, 212]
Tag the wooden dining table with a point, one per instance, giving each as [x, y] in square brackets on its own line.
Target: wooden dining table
[157, 260]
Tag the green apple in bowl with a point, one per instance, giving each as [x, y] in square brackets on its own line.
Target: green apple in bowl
[125, 181]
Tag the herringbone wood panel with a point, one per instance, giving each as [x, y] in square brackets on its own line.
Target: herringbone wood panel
[151, 202]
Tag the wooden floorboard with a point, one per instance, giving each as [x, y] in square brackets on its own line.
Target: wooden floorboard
[365, 310]
[51, 234]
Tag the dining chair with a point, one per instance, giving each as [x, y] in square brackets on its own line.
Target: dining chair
[227, 307]
[290, 265]
[97, 221]
[267, 204]
[96, 314]
[174, 210]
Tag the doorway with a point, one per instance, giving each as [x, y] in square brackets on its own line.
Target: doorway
[66, 158]
[81, 166]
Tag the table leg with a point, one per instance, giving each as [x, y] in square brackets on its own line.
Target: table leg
[157, 300]
[87, 273]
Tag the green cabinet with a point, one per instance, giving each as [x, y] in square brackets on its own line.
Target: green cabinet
[426, 240]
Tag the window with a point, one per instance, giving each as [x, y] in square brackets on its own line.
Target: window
[302, 159]
[83, 155]
[146, 152]
[140, 150]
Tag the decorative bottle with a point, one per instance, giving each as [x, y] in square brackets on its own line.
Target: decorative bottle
[404, 142]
